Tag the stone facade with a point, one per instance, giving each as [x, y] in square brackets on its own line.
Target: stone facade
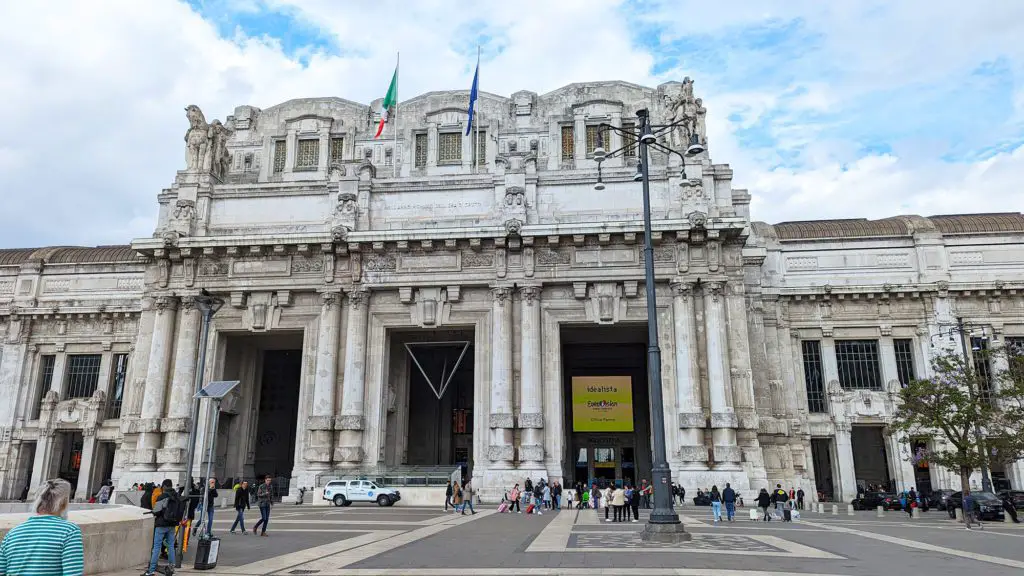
[316, 233]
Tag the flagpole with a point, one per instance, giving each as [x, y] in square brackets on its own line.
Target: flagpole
[476, 155]
[395, 156]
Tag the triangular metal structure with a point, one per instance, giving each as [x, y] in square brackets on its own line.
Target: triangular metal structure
[446, 376]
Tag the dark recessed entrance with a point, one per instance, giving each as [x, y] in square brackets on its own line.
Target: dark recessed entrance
[278, 413]
[870, 462]
[606, 403]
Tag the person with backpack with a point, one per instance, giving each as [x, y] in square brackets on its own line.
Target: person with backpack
[780, 498]
[167, 514]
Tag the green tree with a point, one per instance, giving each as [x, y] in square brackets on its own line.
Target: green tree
[956, 403]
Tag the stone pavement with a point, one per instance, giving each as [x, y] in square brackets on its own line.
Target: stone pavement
[361, 541]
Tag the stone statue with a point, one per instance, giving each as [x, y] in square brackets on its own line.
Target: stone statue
[196, 139]
[688, 110]
[217, 160]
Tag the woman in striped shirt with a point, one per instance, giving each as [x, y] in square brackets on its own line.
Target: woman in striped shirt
[46, 544]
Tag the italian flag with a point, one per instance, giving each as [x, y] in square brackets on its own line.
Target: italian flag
[389, 103]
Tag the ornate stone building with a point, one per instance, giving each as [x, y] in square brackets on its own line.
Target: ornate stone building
[432, 300]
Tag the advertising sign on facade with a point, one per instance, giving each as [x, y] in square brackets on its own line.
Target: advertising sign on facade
[602, 404]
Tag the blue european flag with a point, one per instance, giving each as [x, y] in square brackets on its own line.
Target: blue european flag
[472, 97]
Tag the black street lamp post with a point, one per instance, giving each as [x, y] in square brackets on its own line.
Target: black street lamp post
[664, 524]
[208, 305]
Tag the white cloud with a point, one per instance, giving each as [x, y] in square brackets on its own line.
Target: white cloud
[92, 94]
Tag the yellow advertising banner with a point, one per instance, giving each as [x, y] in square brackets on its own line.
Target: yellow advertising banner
[602, 404]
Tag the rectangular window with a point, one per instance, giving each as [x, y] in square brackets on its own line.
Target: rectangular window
[980, 353]
[280, 154]
[1015, 356]
[629, 140]
[421, 150]
[45, 381]
[814, 376]
[568, 143]
[858, 364]
[118, 373]
[83, 375]
[337, 150]
[904, 348]
[307, 157]
[606, 138]
[481, 148]
[449, 148]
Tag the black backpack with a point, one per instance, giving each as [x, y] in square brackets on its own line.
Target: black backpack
[174, 509]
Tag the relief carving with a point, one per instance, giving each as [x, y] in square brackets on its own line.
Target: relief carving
[552, 256]
[472, 259]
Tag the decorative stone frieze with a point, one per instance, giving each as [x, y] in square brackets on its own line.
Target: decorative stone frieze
[529, 420]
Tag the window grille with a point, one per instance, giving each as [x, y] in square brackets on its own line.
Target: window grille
[481, 148]
[1015, 353]
[449, 147]
[858, 364]
[118, 374]
[83, 375]
[629, 140]
[45, 381]
[606, 138]
[905, 371]
[307, 156]
[814, 376]
[979, 350]
[568, 142]
[337, 150]
[421, 150]
[280, 153]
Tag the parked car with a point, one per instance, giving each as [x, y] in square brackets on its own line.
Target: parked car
[937, 499]
[872, 500]
[345, 492]
[990, 507]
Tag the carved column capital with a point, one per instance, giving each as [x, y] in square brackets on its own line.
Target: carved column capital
[714, 290]
[682, 290]
[330, 299]
[501, 294]
[166, 303]
[188, 303]
[530, 294]
[359, 298]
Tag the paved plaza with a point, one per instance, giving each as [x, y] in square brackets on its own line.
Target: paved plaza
[306, 541]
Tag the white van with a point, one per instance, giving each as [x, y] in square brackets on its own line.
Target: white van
[345, 492]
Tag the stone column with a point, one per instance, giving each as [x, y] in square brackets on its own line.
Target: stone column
[13, 352]
[887, 358]
[531, 418]
[85, 489]
[898, 447]
[847, 480]
[156, 382]
[321, 420]
[43, 458]
[349, 448]
[501, 450]
[135, 385]
[723, 417]
[828, 358]
[179, 410]
[692, 451]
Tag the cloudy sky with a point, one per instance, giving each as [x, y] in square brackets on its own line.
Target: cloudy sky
[825, 109]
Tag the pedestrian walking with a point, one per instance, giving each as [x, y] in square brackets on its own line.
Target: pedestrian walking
[800, 499]
[568, 498]
[513, 498]
[606, 499]
[634, 504]
[211, 498]
[167, 514]
[779, 498]
[716, 504]
[241, 505]
[764, 501]
[729, 499]
[467, 497]
[264, 501]
[448, 495]
[46, 543]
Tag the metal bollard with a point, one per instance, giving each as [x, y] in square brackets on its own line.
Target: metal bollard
[849, 510]
[880, 512]
[915, 512]
[835, 509]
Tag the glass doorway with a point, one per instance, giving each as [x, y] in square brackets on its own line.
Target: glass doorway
[604, 462]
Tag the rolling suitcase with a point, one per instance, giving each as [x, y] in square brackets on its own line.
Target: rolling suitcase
[529, 509]
[787, 515]
[503, 507]
[754, 514]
